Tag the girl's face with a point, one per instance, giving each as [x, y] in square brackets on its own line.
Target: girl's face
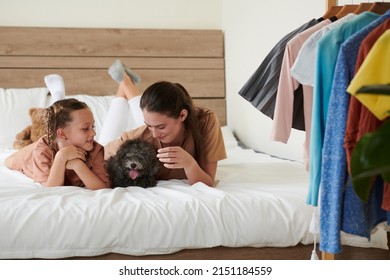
[80, 131]
[168, 130]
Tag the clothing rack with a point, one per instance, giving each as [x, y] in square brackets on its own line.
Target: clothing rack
[326, 255]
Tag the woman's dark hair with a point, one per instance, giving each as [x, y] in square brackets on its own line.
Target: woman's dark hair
[170, 99]
[58, 116]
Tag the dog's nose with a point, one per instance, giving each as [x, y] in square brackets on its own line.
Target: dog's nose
[133, 165]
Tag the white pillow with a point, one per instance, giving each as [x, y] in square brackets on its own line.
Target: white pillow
[14, 106]
[228, 138]
[99, 106]
[15, 103]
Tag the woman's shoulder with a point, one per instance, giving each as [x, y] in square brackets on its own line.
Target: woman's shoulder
[205, 115]
[207, 118]
[140, 132]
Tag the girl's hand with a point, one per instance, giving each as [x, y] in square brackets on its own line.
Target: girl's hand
[72, 152]
[175, 157]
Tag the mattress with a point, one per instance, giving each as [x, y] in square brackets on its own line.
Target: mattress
[258, 201]
[250, 206]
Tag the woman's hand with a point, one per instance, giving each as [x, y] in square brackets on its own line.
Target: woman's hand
[175, 157]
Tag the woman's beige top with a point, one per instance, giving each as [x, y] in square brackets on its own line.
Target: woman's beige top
[213, 144]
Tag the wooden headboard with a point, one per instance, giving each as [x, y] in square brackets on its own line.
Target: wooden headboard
[194, 58]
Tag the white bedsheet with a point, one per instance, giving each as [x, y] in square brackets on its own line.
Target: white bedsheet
[258, 201]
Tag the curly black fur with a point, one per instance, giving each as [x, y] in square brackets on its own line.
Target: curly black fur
[135, 157]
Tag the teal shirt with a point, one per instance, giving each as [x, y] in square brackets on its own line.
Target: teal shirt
[326, 58]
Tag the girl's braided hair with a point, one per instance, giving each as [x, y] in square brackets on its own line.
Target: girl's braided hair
[58, 116]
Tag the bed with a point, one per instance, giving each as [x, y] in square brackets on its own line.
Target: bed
[256, 211]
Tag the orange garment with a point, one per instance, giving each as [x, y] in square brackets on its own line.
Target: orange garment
[35, 161]
[213, 144]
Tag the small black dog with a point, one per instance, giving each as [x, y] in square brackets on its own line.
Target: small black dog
[135, 164]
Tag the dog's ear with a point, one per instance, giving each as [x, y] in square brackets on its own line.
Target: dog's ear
[115, 171]
[156, 167]
[121, 152]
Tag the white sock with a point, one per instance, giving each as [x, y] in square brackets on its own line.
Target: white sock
[56, 86]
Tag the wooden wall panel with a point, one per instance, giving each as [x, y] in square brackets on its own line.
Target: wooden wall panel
[199, 83]
[193, 58]
[111, 42]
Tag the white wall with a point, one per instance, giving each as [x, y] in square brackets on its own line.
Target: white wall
[251, 27]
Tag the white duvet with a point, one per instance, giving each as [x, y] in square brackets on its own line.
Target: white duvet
[258, 201]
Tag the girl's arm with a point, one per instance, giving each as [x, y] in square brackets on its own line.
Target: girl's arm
[87, 176]
[57, 173]
[57, 169]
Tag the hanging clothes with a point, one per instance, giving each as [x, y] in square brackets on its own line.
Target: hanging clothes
[357, 217]
[303, 68]
[286, 104]
[360, 118]
[374, 70]
[261, 88]
[327, 52]
[335, 201]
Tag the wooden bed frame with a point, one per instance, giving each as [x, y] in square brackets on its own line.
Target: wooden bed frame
[194, 58]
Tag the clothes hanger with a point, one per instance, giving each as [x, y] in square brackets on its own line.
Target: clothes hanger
[380, 7]
[332, 11]
[346, 9]
[363, 7]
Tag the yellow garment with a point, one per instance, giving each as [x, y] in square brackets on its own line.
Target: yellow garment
[375, 69]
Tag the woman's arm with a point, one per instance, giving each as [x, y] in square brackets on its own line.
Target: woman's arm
[197, 174]
[176, 157]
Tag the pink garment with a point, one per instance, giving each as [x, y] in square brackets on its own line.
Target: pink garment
[283, 115]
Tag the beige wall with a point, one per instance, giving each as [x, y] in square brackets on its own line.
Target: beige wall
[252, 28]
[202, 14]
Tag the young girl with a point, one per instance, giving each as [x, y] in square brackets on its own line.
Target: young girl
[188, 139]
[67, 154]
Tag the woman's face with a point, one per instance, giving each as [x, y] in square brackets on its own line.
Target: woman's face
[166, 129]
